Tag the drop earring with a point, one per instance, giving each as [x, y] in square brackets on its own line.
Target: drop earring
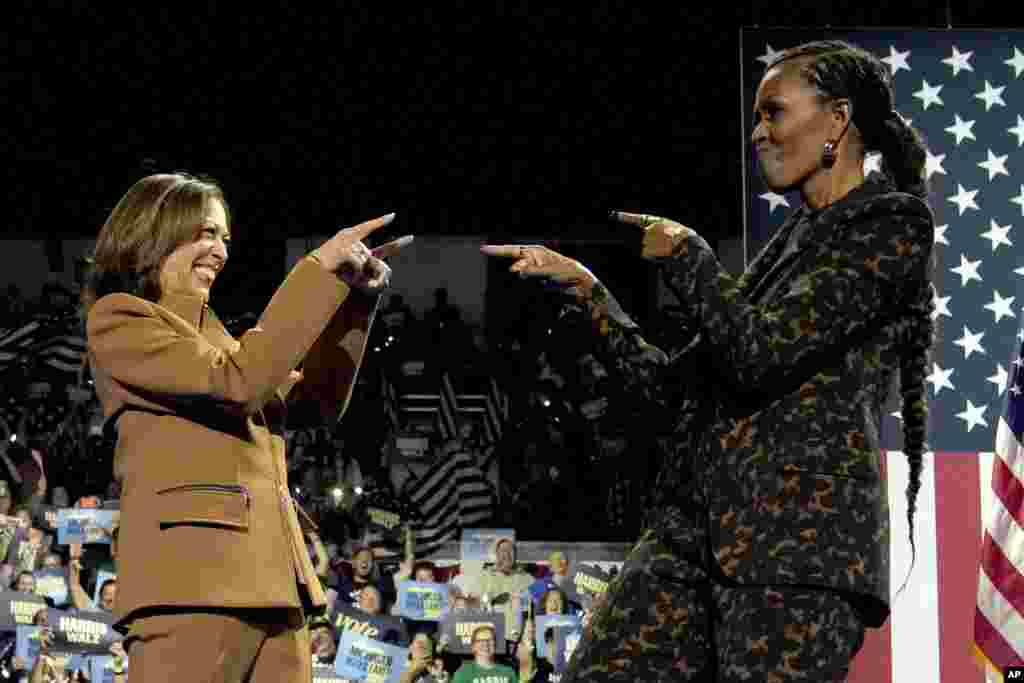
[828, 155]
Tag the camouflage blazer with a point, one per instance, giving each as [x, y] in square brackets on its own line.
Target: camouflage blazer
[771, 398]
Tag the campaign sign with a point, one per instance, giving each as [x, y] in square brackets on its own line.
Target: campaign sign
[26, 646]
[382, 520]
[362, 659]
[479, 545]
[423, 600]
[458, 627]
[326, 674]
[87, 633]
[588, 582]
[85, 525]
[380, 627]
[101, 669]
[52, 583]
[566, 640]
[102, 576]
[545, 621]
[17, 609]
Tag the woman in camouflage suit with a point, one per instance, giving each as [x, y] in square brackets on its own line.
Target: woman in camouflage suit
[765, 550]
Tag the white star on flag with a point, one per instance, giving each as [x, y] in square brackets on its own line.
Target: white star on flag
[933, 164]
[973, 415]
[872, 163]
[1019, 271]
[999, 379]
[940, 234]
[964, 199]
[1018, 130]
[940, 378]
[1017, 62]
[769, 55]
[995, 165]
[970, 342]
[929, 95]
[961, 129]
[1019, 200]
[991, 96]
[959, 60]
[941, 304]
[897, 60]
[775, 200]
[967, 270]
[998, 234]
[1000, 306]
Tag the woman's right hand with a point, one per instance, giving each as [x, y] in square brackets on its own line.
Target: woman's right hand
[345, 253]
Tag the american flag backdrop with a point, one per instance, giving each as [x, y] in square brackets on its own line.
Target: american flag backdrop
[964, 91]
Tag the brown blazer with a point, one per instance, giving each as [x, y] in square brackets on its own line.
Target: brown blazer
[207, 519]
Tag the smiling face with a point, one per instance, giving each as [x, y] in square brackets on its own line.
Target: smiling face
[362, 563]
[193, 266]
[553, 603]
[792, 125]
[505, 556]
[421, 647]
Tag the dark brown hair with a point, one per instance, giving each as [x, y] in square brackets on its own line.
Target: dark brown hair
[157, 215]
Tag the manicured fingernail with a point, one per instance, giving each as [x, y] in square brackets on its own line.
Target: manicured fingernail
[388, 218]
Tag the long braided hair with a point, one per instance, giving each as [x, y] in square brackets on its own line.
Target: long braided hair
[837, 69]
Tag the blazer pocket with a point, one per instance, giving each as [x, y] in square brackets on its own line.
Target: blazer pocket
[215, 505]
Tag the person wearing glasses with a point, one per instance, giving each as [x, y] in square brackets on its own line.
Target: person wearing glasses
[483, 668]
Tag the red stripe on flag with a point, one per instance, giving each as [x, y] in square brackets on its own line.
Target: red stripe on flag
[1003, 575]
[958, 537]
[992, 642]
[873, 664]
[1009, 489]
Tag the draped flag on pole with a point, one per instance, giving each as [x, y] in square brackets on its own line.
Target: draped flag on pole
[962, 89]
[998, 621]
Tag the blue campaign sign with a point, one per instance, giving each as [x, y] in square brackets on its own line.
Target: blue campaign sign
[566, 640]
[26, 646]
[361, 659]
[423, 600]
[102, 577]
[85, 525]
[479, 545]
[545, 621]
[52, 583]
[18, 609]
[325, 674]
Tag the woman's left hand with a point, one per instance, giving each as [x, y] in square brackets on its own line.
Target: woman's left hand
[662, 237]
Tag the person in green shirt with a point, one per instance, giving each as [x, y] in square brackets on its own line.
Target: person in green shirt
[483, 668]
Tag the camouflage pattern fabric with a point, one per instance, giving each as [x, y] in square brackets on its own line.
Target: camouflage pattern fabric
[769, 403]
[656, 628]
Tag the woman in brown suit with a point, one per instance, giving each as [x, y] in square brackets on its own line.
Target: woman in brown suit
[214, 577]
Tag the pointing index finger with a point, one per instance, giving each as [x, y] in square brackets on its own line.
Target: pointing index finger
[363, 230]
[641, 220]
[507, 250]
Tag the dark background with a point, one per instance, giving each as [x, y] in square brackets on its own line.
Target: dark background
[493, 118]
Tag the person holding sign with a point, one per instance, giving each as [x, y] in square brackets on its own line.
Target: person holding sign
[769, 516]
[214, 579]
[421, 666]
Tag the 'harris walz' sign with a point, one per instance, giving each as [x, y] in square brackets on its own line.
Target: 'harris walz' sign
[386, 629]
[588, 582]
[87, 633]
[458, 626]
[85, 525]
[17, 609]
[362, 659]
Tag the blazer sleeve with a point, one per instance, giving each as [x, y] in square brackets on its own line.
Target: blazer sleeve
[135, 342]
[330, 368]
[877, 267]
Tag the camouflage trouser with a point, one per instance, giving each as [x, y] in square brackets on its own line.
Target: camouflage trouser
[683, 626]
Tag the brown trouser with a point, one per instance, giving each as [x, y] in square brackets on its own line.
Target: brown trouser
[220, 646]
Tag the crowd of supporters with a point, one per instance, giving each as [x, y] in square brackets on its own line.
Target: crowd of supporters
[550, 467]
